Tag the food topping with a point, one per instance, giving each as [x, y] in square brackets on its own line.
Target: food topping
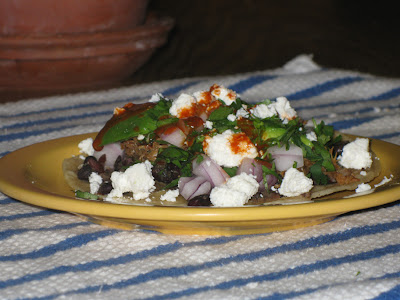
[228, 149]
[86, 146]
[95, 181]
[237, 191]
[295, 183]
[213, 148]
[356, 155]
[137, 179]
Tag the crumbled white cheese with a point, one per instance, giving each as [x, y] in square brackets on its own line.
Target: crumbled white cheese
[311, 136]
[235, 192]
[284, 109]
[156, 97]
[226, 95]
[209, 124]
[242, 113]
[219, 148]
[95, 181]
[384, 181]
[202, 97]
[295, 183]
[363, 187]
[140, 137]
[86, 146]
[180, 104]
[263, 111]
[137, 179]
[356, 155]
[243, 182]
[231, 117]
[170, 195]
[363, 173]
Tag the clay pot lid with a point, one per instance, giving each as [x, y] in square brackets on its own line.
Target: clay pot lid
[151, 34]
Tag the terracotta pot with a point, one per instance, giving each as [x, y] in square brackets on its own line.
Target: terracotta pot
[19, 17]
[75, 61]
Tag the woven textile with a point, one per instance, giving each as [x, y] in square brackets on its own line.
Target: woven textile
[47, 254]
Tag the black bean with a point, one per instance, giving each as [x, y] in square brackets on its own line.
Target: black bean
[105, 188]
[84, 172]
[338, 148]
[201, 200]
[165, 172]
[94, 164]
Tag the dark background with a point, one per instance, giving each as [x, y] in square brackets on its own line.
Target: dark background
[214, 37]
[222, 37]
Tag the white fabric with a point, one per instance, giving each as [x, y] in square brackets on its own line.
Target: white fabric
[54, 255]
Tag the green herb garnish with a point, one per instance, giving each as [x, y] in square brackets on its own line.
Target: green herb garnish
[85, 195]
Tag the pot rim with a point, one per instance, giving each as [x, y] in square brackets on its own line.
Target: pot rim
[154, 25]
[143, 38]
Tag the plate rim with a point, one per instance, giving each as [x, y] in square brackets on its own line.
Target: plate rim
[34, 195]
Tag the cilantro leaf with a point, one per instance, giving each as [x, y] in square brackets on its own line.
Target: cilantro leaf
[317, 174]
[142, 123]
[231, 171]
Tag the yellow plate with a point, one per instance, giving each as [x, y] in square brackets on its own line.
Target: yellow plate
[34, 175]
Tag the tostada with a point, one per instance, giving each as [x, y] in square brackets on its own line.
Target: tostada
[212, 148]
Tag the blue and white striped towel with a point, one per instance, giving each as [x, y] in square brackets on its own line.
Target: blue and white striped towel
[46, 254]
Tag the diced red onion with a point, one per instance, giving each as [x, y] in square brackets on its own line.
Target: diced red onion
[204, 188]
[252, 167]
[204, 116]
[176, 137]
[271, 180]
[210, 170]
[285, 159]
[111, 151]
[190, 187]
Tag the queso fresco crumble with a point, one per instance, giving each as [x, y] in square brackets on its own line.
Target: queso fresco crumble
[213, 148]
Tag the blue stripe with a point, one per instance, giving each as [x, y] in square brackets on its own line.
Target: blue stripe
[28, 124]
[386, 136]
[11, 232]
[4, 153]
[8, 200]
[392, 294]
[88, 105]
[359, 111]
[67, 244]
[290, 295]
[303, 269]
[386, 95]
[144, 254]
[321, 88]
[381, 97]
[345, 124]
[70, 107]
[300, 245]
[243, 85]
[176, 89]
[40, 213]
[25, 134]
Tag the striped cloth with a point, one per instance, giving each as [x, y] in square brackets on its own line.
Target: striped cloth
[47, 254]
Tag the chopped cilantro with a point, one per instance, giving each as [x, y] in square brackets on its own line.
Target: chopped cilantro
[231, 171]
[271, 171]
[179, 157]
[143, 123]
[219, 117]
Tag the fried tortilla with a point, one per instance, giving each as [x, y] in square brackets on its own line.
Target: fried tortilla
[72, 165]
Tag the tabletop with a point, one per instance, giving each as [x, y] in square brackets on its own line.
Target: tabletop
[48, 254]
